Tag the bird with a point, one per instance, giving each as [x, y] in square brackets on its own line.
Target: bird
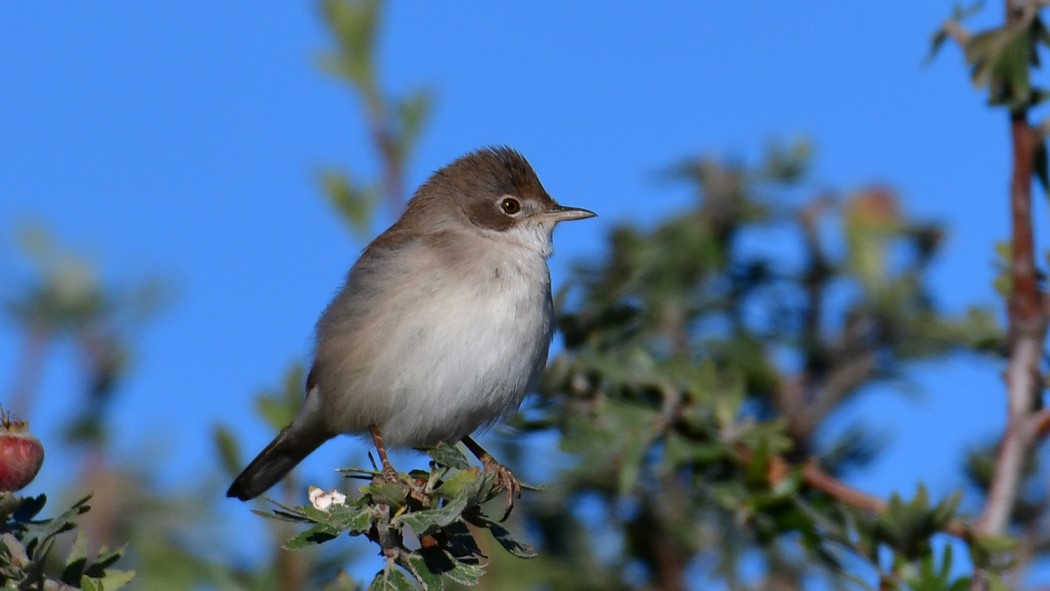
[442, 327]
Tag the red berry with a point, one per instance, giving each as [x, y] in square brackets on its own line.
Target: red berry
[20, 455]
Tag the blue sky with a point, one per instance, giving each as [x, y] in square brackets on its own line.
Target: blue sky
[183, 139]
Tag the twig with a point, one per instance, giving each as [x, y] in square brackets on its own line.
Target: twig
[1027, 330]
[30, 365]
[1041, 423]
[957, 32]
[816, 478]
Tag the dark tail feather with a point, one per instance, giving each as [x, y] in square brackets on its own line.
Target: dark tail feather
[273, 463]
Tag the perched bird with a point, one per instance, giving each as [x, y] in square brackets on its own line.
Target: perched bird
[443, 325]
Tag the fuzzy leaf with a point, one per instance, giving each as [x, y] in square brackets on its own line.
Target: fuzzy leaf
[352, 519]
[317, 534]
[519, 549]
[76, 561]
[390, 580]
[115, 579]
[104, 560]
[279, 515]
[429, 579]
[449, 455]
[426, 521]
[466, 574]
[386, 493]
[30, 507]
[229, 450]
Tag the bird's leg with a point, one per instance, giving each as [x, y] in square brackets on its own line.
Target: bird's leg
[504, 477]
[388, 470]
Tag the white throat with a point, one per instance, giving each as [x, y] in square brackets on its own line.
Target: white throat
[534, 237]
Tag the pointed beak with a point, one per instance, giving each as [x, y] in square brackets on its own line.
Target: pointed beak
[560, 213]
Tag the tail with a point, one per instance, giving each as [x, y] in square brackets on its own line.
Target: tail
[289, 448]
[296, 441]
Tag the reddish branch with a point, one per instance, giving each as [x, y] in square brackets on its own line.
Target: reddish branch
[1027, 330]
[816, 478]
[386, 144]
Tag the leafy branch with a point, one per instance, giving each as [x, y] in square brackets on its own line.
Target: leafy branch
[424, 524]
[27, 542]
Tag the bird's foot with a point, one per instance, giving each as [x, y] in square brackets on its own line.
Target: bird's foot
[390, 475]
[506, 481]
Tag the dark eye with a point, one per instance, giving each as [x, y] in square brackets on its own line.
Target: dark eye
[510, 206]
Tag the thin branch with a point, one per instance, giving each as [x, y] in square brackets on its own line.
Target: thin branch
[30, 368]
[957, 32]
[1027, 331]
[816, 478]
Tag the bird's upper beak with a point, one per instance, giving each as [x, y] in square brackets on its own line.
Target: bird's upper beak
[560, 213]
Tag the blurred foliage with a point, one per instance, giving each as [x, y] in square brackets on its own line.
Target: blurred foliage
[394, 123]
[65, 298]
[1002, 62]
[700, 365]
[27, 541]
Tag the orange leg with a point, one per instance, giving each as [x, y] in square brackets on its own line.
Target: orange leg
[388, 469]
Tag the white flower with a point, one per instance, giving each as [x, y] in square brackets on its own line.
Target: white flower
[322, 500]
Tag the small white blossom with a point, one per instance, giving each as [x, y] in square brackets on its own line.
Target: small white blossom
[322, 500]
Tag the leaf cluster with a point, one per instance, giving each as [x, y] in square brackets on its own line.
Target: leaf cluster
[27, 542]
[425, 523]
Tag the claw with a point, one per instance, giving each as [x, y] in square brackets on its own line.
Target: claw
[504, 477]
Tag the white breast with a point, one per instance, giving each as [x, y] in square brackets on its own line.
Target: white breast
[445, 347]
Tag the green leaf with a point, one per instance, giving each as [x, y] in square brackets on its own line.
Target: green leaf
[430, 580]
[105, 559]
[466, 574]
[423, 522]
[509, 544]
[60, 524]
[76, 561]
[30, 507]
[995, 583]
[390, 579]
[317, 534]
[88, 584]
[413, 113]
[278, 515]
[273, 411]
[116, 579]
[355, 205]
[631, 463]
[352, 519]
[427, 521]
[229, 449]
[460, 571]
[458, 539]
[452, 486]
[449, 455]
[1039, 95]
[386, 493]
[936, 42]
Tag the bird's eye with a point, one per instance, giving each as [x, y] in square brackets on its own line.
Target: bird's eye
[510, 206]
